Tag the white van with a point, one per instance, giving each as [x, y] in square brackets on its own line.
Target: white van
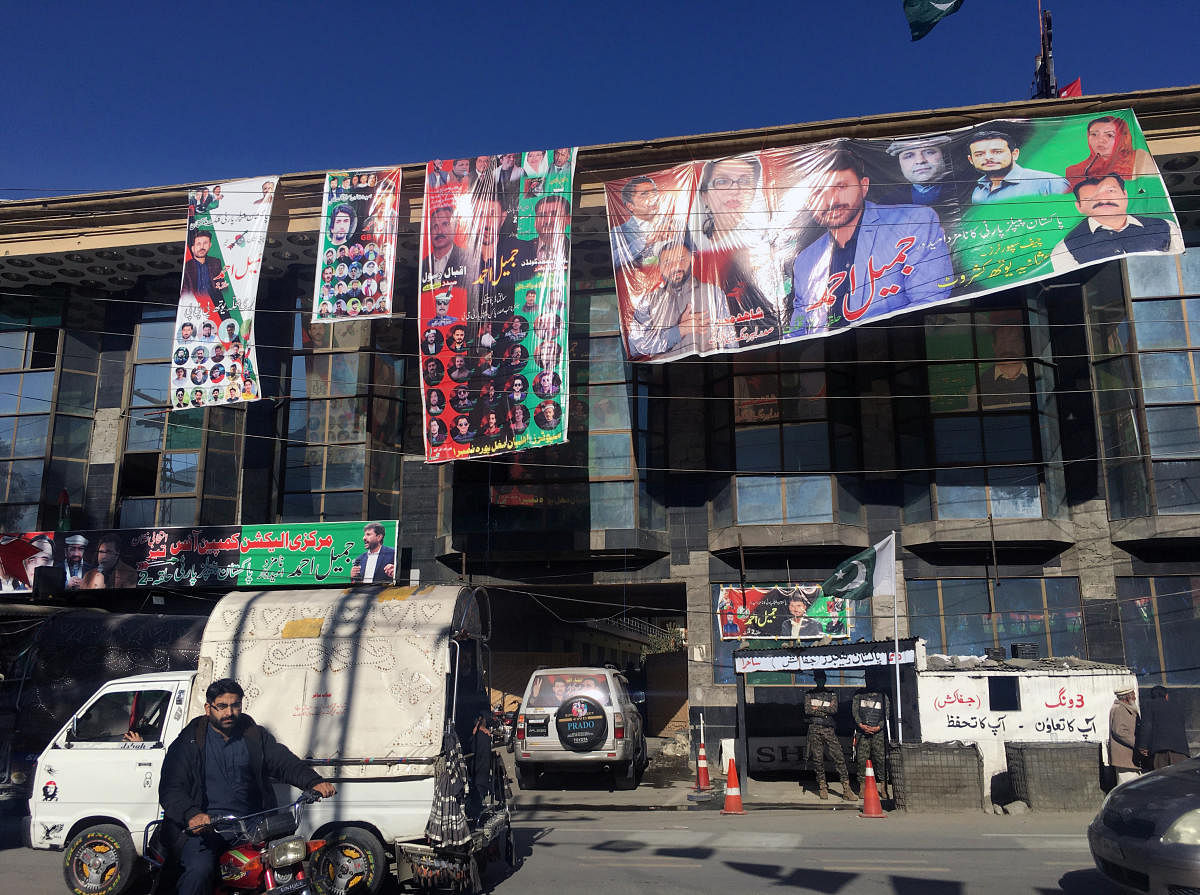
[362, 684]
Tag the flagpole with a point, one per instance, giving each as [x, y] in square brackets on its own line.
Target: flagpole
[896, 645]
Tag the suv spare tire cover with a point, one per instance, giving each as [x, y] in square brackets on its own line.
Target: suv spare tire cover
[582, 724]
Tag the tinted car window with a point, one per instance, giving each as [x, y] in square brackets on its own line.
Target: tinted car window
[548, 690]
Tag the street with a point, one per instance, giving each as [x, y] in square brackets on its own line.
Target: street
[615, 852]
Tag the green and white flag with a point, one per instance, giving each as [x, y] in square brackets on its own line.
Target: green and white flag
[924, 14]
[866, 574]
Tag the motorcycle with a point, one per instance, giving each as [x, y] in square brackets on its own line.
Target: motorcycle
[264, 853]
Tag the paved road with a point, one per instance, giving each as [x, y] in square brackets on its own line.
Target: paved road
[804, 851]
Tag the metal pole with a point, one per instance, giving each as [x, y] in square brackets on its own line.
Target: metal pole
[896, 645]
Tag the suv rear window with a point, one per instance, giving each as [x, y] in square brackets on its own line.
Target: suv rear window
[549, 690]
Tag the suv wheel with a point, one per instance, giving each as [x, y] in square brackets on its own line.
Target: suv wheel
[526, 776]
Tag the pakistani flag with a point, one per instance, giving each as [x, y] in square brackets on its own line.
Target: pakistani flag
[869, 573]
[924, 14]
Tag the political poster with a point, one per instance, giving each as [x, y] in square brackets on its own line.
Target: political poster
[212, 358]
[782, 612]
[494, 283]
[223, 556]
[803, 242]
[357, 251]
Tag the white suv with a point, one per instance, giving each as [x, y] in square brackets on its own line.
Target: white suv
[579, 719]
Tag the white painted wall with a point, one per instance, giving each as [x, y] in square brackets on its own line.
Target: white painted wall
[1068, 706]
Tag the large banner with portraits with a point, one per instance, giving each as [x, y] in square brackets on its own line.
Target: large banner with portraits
[213, 359]
[495, 256]
[220, 556]
[357, 253]
[782, 612]
[802, 242]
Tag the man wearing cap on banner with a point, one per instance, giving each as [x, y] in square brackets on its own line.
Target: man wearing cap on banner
[875, 258]
[441, 303]
[924, 164]
[73, 562]
[1107, 230]
[1122, 734]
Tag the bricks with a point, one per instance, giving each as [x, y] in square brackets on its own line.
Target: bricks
[942, 777]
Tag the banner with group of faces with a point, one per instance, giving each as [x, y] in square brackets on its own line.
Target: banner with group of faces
[494, 280]
[292, 555]
[358, 245]
[803, 242]
[212, 358]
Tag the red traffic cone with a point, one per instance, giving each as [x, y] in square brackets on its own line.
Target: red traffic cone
[871, 806]
[702, 782]
[733, 792]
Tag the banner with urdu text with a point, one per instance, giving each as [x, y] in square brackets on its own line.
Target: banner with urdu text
[213, 359]
[782, 612]
[802, 242]
[495, 279]
[286, 554]
[357, 250]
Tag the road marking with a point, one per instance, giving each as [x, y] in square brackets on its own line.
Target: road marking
[1045, 842]
[860, 868]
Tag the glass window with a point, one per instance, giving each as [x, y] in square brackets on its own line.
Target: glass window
[1176, 486]
[144, 432]
[1174, 431]
[1014, 492]
[12, 349]
[155, 337]
[30, 437]
[958, 439]
[925, 613]
[961, 494]
[1160, 324]
[1152, 275]
[759, 500]
[609, 455]
[806, 447]
[809, 498]
[758, 448]
[609, 407]
[1167, 377]
[1138, 628]
[613, 505]
[150, 382]
[179, 472]
[36, 389]
[968, 625]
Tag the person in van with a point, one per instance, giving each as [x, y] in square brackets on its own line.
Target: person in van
[220, 764]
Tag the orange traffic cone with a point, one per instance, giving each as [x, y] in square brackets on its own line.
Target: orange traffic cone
[702, 782]
[871, 806]
[733, 792]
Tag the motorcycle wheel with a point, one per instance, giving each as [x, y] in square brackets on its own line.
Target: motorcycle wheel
[351, 863]
[99, 861]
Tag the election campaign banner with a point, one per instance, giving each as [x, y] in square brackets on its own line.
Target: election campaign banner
[213, 359]
[220, 556]
[494, 275]
[803, 242]
[357, 253]
[782, 612]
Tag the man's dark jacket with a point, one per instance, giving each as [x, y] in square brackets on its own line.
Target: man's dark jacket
[181, 789]
[1161, 728]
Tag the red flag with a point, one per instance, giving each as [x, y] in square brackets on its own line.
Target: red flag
[1075, 88]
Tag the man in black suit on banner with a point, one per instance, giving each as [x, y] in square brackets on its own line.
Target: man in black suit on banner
[378, 564]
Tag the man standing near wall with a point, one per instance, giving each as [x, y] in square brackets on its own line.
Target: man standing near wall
[1162, 736]
[1122, 734]
[820, 710]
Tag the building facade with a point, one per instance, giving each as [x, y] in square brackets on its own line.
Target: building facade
[1064, 513]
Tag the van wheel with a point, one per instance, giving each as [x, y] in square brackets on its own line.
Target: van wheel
[351, 863]
[99, 861]
[526, 777]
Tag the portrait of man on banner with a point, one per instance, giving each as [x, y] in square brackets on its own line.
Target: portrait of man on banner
[495, 250]
[782, 612]
[802, 242]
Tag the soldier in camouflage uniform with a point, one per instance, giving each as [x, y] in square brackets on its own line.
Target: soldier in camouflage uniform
[820, 710]
[869, 709]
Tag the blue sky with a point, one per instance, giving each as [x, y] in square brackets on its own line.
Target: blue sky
[102, 97]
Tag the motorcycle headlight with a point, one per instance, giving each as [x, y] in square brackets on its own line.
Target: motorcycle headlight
[19, 777]
[1185, 830]
[287, 851]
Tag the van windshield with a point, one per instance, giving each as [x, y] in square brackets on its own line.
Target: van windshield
[549, 690]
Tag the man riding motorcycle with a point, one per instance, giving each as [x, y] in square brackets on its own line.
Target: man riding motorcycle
[221, 764]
